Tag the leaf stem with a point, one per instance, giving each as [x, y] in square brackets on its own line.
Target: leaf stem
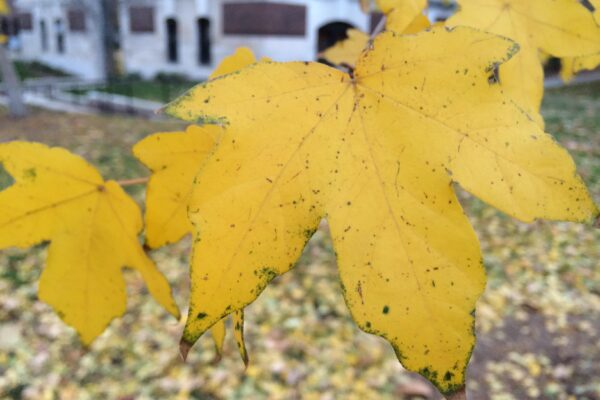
[134, 181]
[379, 28]
[460, 395]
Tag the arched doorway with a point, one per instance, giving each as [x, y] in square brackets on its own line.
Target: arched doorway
[332, 33]
[172, 41]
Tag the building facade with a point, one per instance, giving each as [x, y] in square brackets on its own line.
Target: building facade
[190, 37]
[184, 37]
[64, 34]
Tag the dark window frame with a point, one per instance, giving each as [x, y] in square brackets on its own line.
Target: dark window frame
[59, 31]
[172, 36]
[265, 19]
[204, 41]
[25, 21]
[44, 40]
[141, 19]
[77, 20]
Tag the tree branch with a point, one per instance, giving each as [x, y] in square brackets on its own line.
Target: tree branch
[379, 28]
[460, 395]
[133, 182]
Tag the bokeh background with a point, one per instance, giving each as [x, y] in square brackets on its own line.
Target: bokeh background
[538, 324]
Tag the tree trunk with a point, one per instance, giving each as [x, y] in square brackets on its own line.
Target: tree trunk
[109, 28]
[16, 106]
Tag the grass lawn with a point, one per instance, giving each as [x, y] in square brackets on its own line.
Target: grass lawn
[538, 324]
[154, 90]
[31, 70]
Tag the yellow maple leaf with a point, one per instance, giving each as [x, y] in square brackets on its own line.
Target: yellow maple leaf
[561, 28]
[174, 158]
[376, 153]
[406, 16]
[403, 16]
[346, 51]
[570, 66]
[93, 228]
[4, 8]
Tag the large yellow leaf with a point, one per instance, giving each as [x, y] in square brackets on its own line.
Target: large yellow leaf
[561, 28]
[376, 154]
[93, 227]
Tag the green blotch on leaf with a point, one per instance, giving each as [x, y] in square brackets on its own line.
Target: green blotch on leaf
[30, 174]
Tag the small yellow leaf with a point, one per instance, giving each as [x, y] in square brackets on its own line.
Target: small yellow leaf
[561, 28]
[420, 23]
[574, 65]
[4, 8]
[174, 158]
[242, 57]
[93, 228]
[376, 154]
[347, 51]
[403, 16]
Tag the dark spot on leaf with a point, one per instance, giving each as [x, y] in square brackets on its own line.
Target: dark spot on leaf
[587, 4]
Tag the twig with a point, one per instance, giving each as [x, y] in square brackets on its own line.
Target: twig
[460, 395]
[379, 28]
[133, 182]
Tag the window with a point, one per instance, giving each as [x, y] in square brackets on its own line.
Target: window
[262, 18]
[204, 50]
[4, 26]
[172, 43]
[141, 19]
[60, 36]
[25, 21]
[44, 35]
[76, 20]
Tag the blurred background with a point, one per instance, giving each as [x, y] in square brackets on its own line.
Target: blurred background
[92, 73]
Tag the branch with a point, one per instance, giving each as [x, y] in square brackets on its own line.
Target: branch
[379, 28]
[133, 182]
[460, 395]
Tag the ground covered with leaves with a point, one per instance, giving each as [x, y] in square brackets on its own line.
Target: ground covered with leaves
[538, 324]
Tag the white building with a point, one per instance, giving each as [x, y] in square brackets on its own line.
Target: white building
[191, 36]
[186, 37]
[61, 33]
